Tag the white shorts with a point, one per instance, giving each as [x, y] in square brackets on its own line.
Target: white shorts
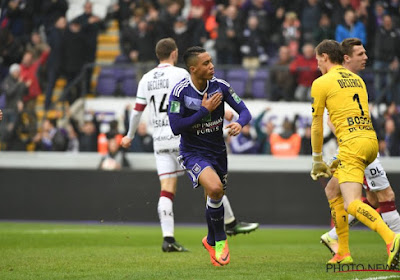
[375, 177]
[167, 164]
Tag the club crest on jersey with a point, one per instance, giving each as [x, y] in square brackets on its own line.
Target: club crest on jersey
[175, 107]
[158, 75]
[196, 168]
[234, 95]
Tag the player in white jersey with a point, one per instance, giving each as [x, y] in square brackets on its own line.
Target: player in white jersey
[378, 190]
[154, 90]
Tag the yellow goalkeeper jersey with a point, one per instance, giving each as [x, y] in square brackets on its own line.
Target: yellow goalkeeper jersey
[345, 96]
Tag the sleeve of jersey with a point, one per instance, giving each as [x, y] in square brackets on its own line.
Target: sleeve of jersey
[318, 97]
[176, 110]
[137, 111]
[237, 104]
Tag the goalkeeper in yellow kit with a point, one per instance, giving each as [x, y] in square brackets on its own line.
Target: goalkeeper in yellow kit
[344, 95]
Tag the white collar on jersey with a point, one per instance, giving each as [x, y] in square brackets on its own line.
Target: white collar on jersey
[162, 65]
[194, 87]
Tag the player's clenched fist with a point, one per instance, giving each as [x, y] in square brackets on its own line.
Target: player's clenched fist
[126, 142]
[319, 168]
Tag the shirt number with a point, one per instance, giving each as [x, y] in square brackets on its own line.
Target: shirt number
[163, 105]
[356, 97]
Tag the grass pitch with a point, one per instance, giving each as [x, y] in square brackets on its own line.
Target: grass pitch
[103, 251]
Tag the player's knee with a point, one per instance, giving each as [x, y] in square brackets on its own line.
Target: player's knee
[332, 189]
[216, 191]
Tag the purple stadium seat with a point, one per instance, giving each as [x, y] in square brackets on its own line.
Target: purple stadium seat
[238, 78]
[220, 74]
[259, 84]
[128, 82]
[122, 59]
[106, 82]
[2, 101]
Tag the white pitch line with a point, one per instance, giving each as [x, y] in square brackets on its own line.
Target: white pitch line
[379, 278]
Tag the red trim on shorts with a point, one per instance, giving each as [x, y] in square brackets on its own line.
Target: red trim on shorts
[387, 206]
[140, 107]
[366, 184]
[167, 194]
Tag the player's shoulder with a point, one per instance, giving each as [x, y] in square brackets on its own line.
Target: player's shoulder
[180, 86]
[220, 82]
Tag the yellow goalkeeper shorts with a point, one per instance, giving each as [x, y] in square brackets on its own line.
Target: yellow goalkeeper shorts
[354, 156]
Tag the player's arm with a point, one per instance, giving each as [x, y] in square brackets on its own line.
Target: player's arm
[318, 96]
[176, 108]
[135, 116]
[238, 105]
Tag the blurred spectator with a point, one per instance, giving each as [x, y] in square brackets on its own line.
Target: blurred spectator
[263, 10]
[52, 10]
[227, 43]
[36, 45]
[338, 10]
[29, 70]
[20, 18]
[74, 49]
[252, 46]
[386, 61]
[55, 39]
[351, 28]
[51, 138]
[379, 12]
[20, 134]
[122, 11]
[305, 67]
[324, 30]
[306, 142]
[138, 43]
[182, 36]
[167, 17]
[264, 131]
[244, 143]
[287, 143]
[15, 89]
[90, 24]
[310, 15]
[115, 159]
[207, 5]
[392, 137]
[11, 51]
[143, 141]
[291, 32]
[87, 133]
[393, 9]
[281, 80]
[73, 140]
[197, 27]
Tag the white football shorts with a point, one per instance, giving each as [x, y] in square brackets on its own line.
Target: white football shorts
[375, 177]
[167, 164]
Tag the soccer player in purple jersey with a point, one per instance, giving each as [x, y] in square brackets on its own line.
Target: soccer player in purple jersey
[196, 112]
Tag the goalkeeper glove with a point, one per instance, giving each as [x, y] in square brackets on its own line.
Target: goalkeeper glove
[319, 168]
[333, 164]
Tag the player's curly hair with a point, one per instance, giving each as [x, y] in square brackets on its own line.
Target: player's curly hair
[332, 49]
[165, 47]
[190, 55]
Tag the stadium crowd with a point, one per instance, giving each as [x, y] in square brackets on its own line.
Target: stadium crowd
[43, 40]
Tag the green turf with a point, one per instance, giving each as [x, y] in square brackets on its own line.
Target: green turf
[69, 251]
